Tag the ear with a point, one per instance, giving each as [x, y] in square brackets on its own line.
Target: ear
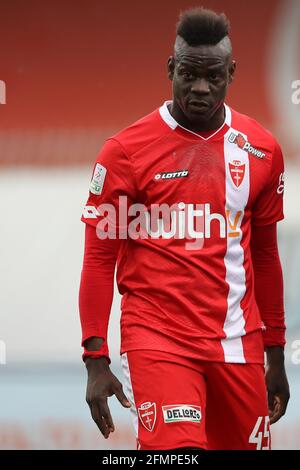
[232, 68]
[171, 67]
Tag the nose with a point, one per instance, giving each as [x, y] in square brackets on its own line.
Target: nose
[200, 86]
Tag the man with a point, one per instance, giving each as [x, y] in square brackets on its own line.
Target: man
[202, 286]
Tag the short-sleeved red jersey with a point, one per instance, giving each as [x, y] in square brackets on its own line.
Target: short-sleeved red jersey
[191, 295]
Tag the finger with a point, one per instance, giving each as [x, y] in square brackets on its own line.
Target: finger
[277, 411]
[118, 391]
[105, 412]
[101, 423]
[271, 405]
[281, 402]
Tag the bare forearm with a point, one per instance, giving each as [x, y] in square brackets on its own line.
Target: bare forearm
[94, 344]
[275, 356]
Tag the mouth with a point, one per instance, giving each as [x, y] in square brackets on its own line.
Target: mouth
[198, 105]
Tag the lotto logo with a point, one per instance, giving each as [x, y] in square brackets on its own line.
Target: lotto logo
[171, 175]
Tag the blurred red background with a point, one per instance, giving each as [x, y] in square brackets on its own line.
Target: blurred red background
[75, 72]
[76, 68]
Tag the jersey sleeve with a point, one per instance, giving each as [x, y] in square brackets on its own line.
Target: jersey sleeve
[268, 283]
[112, 187]
[268, 207]
[111, 180]
[96, 290]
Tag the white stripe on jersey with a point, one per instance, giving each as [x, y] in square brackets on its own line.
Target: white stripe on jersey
[227, 115]
[236, 200]
[129, 392]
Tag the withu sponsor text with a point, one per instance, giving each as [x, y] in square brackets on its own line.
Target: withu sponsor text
[179, 221]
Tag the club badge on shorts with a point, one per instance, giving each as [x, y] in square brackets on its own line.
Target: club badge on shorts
[147, 415]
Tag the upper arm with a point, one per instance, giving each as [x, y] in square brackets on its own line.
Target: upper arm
[112, 177]
[264, 241]
[268, 207]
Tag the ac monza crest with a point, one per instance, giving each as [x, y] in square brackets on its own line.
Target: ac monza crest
[147, 415]
[237, 172]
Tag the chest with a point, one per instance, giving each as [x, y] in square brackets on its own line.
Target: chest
[216, 173]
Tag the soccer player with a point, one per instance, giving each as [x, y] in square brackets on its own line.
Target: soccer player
[202, 285]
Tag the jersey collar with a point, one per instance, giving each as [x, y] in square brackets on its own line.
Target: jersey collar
[174, 125]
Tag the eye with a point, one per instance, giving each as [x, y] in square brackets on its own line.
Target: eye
[214, 76]
[187, 75]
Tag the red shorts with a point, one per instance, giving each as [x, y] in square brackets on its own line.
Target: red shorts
[180, 402]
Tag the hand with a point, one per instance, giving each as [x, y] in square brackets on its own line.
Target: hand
[102, 383]
[277, 384]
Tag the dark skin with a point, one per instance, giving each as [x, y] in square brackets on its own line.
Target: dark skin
[201, 76]
[102, 383]
[277, 383]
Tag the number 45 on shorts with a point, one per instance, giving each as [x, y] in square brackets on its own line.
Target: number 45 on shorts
[259, 437]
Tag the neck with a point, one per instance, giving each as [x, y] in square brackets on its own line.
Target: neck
[211, 124]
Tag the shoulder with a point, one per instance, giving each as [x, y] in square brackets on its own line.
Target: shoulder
[140, 133]
[254, 131]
